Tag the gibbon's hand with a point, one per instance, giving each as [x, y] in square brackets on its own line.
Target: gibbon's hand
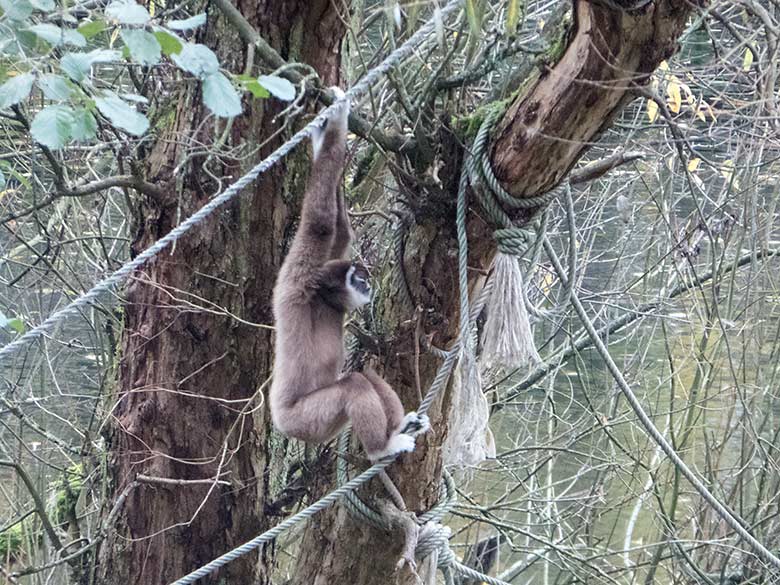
[337, 122]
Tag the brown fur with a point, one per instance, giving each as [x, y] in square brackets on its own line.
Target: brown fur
[309, 400]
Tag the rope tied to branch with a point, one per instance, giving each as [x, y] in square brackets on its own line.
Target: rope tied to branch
[507, 338]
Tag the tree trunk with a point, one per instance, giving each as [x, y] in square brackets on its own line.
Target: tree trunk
[186, 373]
[195, 352]
[544, 132]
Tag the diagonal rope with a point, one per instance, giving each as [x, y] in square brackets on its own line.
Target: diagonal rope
[107, 284]
[417, 39]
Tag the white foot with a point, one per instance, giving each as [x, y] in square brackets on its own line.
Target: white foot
[415, 424]
[396, 444]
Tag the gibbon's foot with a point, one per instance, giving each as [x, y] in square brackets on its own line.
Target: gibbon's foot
[415, 424]
[397, 444]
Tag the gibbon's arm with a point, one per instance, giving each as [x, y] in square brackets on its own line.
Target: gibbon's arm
[314, 240]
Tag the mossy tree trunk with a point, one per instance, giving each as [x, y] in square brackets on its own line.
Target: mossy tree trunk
[170, 348]
[192, 354]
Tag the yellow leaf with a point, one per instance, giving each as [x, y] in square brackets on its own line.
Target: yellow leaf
[710, 111]
[700, 114]
[663, 66]
[151, 8]
[693, 164]
[675, 97]
[748, 61]
[652, 110]
[540, 24]
[727, 169]
[547, 282]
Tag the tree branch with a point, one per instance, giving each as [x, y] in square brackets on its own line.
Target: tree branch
[40, 506]
[124, 181]
[359, 125]
[615, 325]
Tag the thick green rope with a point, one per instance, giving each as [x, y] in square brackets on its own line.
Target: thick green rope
[510, 239]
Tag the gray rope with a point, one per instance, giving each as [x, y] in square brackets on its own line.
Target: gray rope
[466, 343]
[416, 39]
[274, 532]
[482, 172]
[730, 517]
[437, 540]
[108, 283]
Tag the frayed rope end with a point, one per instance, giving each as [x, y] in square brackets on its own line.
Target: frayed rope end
[507, 338]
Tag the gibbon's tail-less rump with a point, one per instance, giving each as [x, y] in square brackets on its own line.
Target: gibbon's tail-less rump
[310, 399]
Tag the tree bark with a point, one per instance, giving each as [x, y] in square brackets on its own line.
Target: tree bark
[543, 134]
[195, 349]
[170, 348]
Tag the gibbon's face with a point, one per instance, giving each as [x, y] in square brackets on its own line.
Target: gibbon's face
[358, 287]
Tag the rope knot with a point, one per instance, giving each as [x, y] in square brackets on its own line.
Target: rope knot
[513, 241]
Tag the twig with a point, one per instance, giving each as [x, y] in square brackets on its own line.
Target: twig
[358, 125]
[181, 482]
[40, 506]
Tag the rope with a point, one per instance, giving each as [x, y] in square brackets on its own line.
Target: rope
[274, 532]
[397, 55]
[108, 283]
[492, 195]
[434, 538]
[730, 517]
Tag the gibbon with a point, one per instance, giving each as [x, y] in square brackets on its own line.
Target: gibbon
[310, 399]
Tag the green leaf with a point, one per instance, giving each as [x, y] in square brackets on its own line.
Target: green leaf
[16, 324]
[169, 43]
[24, 181]
[15, 90]
[121, 114]
[278, 86]
[197, 59]
[251, 84]
[44, 5]
[474, 14]
[90, 29]
[220, 96]
[77, 65]
[144, 48]
[127, 12]
[54, 87]
[52, 126]
[134, 97]
[257, 90]
[189, 23]
[16, 9]
[57, 36]
[512, 16]
[84, 126]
